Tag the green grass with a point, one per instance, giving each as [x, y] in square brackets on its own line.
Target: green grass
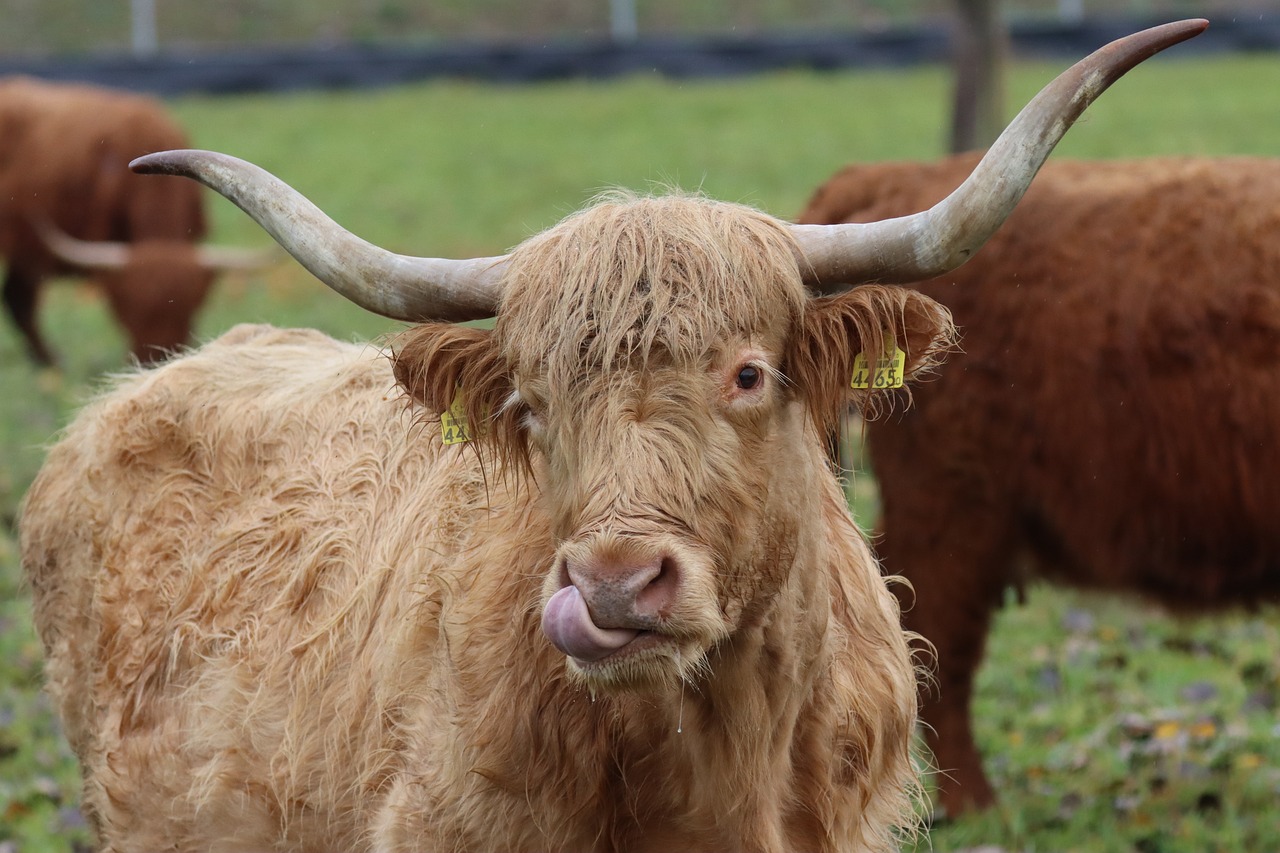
[1107, 726]
[1087, 726]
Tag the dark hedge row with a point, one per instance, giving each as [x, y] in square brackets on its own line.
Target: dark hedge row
[352, 66]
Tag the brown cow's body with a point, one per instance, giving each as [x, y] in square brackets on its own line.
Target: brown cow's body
[1113, 413]
[64, 154]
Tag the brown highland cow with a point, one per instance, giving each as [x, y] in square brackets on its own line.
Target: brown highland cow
[69, 205]
[1111, 419]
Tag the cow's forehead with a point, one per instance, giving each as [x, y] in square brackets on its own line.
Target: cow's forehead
[675, 278]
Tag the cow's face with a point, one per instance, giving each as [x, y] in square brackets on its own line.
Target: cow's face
[651, 360]
[156, 295]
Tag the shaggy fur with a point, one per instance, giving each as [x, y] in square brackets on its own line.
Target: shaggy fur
[64, 154]
[279, 614]
[1112, 414]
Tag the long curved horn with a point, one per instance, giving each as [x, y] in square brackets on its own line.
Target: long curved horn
[398, 286]
[923, 245]
[82, 254]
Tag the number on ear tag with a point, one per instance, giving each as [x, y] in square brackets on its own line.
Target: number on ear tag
[453, 423]
[889, 373]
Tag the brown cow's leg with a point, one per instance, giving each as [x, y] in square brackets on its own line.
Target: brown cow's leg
[958, 574]
[20, 288]
[947, 713]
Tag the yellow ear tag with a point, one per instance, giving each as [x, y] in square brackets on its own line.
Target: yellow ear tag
[889, 372]
[453, 423]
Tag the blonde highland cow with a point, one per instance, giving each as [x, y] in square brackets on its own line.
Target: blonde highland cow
[632, 613]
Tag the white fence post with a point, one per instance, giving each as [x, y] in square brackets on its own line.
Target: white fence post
[623, 25]
[145, 42]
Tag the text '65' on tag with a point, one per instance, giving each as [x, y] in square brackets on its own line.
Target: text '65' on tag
[453, 423]
[889, 373]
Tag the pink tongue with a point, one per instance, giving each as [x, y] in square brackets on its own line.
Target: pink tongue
[568, 625]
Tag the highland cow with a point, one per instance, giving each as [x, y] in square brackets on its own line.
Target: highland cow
[1110, 420]
[69, 205]
[616, 603]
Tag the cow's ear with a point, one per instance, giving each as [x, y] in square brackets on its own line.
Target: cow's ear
[870, 321]
[438, 363]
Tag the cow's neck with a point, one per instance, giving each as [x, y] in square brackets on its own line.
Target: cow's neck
[732, 733]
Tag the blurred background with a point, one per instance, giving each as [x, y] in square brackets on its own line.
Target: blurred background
[67, 27]
[459, 128]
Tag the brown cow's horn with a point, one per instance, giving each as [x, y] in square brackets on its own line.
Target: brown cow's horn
[397, 286]
[110, 255]
[923, 245]
[82, 254]
[231, 259]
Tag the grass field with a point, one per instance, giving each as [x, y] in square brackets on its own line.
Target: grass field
[1107, 726]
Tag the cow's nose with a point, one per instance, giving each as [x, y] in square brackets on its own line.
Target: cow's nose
[624, 593]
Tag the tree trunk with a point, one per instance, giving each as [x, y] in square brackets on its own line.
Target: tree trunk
[979, 47]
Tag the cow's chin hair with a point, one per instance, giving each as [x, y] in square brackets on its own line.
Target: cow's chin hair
[659, 663]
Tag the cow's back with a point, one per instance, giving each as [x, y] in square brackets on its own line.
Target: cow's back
[257, 514]
[64, 155]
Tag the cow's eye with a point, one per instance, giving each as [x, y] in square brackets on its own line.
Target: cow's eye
[748, 377]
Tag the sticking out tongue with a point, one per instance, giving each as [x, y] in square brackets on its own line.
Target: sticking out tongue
[568, 625]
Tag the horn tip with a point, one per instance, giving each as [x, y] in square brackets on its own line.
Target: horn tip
[1179, 31]
[175, 162]
[1193, 26]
